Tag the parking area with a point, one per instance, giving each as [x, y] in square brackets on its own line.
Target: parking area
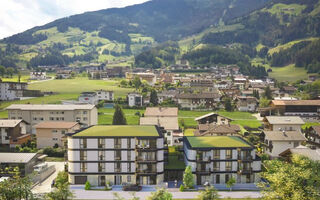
[45, 186]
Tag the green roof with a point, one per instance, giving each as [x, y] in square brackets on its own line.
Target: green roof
[217, 142]
[119, 130]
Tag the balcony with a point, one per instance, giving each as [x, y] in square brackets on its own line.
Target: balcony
[247, 158]
[145, 147]
[245, 171]
[203, 159]
[203, 171]
[141, 159]
[117, 169]
[146, 171]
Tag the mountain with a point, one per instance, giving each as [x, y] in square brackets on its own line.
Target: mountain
[119, 32]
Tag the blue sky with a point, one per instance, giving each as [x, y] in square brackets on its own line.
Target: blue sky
[19, 15]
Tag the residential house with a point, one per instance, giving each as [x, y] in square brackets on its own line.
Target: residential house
[117, 72]
[33, 114]
[246, 104]
[201, 82]
[200, 100]
[104, 95]
[311, 153]
[283, 123]
[288, 90]
[217, 130]
[135, 99]
[25, 162]
[279, 141]
[212, 118]
[16, 90]
[150, 78]
[313, 135]
[50, 134]
[165, 95]
[38, 75]
[216, 159]
[89, 98]
[64, 74]
[116, 154]
[13, 132]
[98, 74]
[308, 110]
[166, 118]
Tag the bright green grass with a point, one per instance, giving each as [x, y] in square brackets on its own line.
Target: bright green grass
[288, 73]
[290, 9]
[106, 114]
[80, 84]
[189, 132]
[120, 130]
[24, 78]
[288, 45]
[309, 124]
[218, 141]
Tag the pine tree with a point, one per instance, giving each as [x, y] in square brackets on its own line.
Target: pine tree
[154, 97]
[227, 105]
[119, 117]
[267, 93]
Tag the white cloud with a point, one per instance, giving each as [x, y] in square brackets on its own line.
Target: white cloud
[19, 15]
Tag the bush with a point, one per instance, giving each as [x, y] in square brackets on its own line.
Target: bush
[54, 152]
[181, 188]
[87, 186]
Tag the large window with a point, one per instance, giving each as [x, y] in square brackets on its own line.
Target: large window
[83, 167]
[117, 143]
[216, 154]
[101, 143]
[216, 166]
[117, 155]
[101, 155]
[101, 167]
[129, 143]
[83, 155]
[83, 143]
[228, 166]
[228, 154]
[117, 167]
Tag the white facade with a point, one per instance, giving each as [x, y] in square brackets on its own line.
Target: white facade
[11, 90]
[280, 146]
[38, 75]
[116, 160]
[135, 99]
[105, 95]
[89, 98]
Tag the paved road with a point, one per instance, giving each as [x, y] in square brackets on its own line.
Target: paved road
[45, 186]
[80, 193]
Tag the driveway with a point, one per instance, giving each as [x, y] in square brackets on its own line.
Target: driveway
[45, 186]
[80, 193]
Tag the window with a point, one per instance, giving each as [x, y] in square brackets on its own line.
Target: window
[228, 154]
[57, 118]
[128, 179]
[117, 167]
[117, 155]
[129, 167]
[129, 143]
[62, 118]
[101, 143]
[35, 118]
[101, 155]
[228, 166]
[227, 178]
[51, 118]
[218, 179]
[117, 143]
[216, 166]
[85, 112]
[295, 144]
[101, 167]
[54, 131]
[129, 155]
[55, 139]
[83, 167]
[83, 143]
[216, 154]
[83, 155]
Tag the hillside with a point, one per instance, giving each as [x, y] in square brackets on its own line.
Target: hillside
[119, 33]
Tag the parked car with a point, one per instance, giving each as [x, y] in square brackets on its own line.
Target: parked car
[131, 187]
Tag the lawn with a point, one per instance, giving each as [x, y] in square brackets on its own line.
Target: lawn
[78, 85]
[106, 115]
[189, 132]
[218, 141]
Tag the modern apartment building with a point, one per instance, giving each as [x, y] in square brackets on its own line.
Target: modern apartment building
[33, 114]
[215, 159]
[116, 154]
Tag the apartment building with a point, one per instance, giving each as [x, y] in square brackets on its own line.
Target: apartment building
[283, 123]
[105, 95]
[89, 98]
[135, 99]
[13, 132]
[50, 134]
[33, 114]
[215, 159]
[116, 154]
[201, 100]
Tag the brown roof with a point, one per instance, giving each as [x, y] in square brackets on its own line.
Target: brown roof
[289, 88]
[9, 123]
[168, 123]
[57, 125]
[296, 102]
[284, 136]
[218, 129]
[198, 96]
[161, 112]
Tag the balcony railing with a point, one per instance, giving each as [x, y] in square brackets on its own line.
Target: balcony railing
[203, 159]
[145, 159]
[245, 170]
[203, 171]
[247, 158]
[146, 171]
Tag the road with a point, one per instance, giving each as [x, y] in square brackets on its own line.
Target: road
[45, 186]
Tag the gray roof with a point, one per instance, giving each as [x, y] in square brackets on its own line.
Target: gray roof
[313, 154]
[16, 157]
[49, 107]
[284, 136]
[9, 123]
[284, 120]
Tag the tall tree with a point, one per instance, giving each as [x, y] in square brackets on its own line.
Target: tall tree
[136, 82]
[228, 105]
[154, 97]
[298, 180]
[188, 180]
[2, 70]
[267, 93]
[119, 117]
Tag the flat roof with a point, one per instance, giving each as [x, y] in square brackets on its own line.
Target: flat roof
[217, 142]
[49, 107]
[284, 120]
[119, 131]
[16, 157]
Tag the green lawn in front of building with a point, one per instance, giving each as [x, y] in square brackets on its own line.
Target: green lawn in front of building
[218, 141]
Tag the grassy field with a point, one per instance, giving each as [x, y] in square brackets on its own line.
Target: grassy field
[78, 85]
[288, 45]
[106, 115]
[288, 73]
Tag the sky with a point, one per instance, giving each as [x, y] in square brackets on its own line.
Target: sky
[19, 15]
